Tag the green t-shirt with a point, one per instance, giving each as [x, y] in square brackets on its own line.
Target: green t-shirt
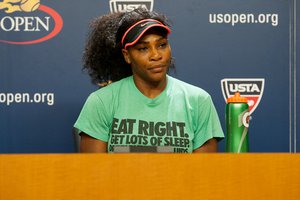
[181, 119]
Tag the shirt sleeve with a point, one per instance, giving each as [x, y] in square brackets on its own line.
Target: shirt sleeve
[207, 123]
[92, 119]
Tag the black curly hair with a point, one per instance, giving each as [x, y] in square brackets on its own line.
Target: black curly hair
[103, 57]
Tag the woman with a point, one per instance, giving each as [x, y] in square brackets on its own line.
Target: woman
[144, 109]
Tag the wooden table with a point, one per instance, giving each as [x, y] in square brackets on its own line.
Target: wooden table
[149, 176]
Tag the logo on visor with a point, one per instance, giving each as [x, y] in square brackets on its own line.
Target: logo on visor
[251, 88]
[144, 24]
[129, 5]
[28, 22]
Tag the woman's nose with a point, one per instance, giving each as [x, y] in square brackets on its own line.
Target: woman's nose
[155, 54]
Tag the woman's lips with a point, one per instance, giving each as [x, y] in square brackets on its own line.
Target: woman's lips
[156, 69]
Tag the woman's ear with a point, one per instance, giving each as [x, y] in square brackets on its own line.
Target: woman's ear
[126, 56]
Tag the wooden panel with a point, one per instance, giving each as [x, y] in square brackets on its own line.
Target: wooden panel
[150, 176]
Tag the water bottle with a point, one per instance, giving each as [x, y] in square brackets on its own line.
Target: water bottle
[237, 124]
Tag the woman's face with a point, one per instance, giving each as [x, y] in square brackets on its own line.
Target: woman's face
[149, 58]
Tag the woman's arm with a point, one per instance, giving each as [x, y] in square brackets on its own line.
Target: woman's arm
[210, 146]
[89, 144]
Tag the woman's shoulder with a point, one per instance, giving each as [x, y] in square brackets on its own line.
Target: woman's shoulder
[110, 91]
[188, 89]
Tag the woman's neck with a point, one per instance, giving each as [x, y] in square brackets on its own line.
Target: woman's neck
[150, 89]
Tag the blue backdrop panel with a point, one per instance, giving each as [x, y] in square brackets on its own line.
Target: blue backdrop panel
[205, 51]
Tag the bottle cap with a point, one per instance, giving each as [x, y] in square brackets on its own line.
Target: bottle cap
[237, 98]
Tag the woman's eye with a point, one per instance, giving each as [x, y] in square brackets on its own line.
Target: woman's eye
[163, 45]
[142, 48]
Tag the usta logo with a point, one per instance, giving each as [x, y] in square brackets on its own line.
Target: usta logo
[129, 5]
[251, 88]
[244, 87]
[16, 22]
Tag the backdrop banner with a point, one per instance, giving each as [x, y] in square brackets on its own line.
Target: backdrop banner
[222, 46]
